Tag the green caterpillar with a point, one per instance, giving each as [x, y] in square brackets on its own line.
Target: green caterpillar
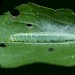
[41, 37]
[37, 34]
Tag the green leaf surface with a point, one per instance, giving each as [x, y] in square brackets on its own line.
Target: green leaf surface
[37, 34]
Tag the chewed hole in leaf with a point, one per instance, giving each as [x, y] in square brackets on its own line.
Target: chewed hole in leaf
[14, 12]
[51, 49]
[2, 45]
[29, 25]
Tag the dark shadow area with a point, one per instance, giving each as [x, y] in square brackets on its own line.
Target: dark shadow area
[38, 69]
[8, 5]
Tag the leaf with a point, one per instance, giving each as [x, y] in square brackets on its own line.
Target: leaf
[37, 34]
